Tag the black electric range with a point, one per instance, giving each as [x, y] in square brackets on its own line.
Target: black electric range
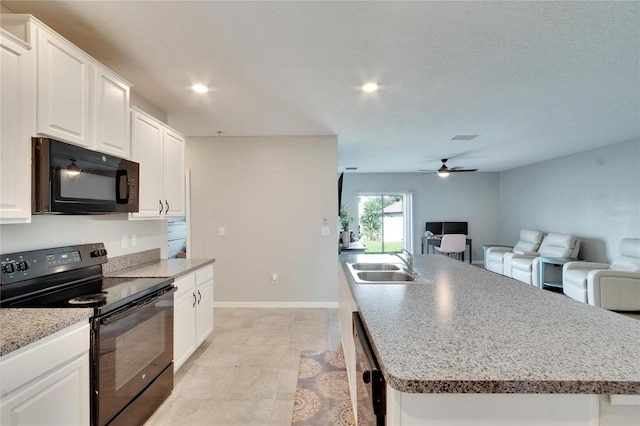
[131, 353]
[69, 277]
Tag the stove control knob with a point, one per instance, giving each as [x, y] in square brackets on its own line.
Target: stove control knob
[95, 253]
[366, 376]
[104, 252]
[8, 268]
[23, 265]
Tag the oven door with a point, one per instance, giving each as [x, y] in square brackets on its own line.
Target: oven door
[132, 347]
[371, 409]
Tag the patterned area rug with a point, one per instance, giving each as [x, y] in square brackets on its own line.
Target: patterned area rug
[322, 394]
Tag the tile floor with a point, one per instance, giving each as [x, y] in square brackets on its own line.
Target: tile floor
[246, 372]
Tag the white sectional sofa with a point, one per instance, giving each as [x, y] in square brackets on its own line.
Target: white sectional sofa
[525, 267]
[522, 261]
[614, 286]
[494, 256]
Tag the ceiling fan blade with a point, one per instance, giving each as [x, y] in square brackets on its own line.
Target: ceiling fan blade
[462, 170]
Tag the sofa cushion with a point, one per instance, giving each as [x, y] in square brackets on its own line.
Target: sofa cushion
[630, 256]
[522, 264]
[529, 241]
[557, 245]
[576, 277]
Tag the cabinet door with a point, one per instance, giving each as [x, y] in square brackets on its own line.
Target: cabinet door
[173, 173]
[17, 97]
[40, 402]
[147, 137]
[346, 306]
[111, 113]
[204, 311]
[184, 318]
[63, 90]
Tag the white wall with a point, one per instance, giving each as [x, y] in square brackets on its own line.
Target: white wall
[464, 197]
[594, 195]
[46, 231]
[272, 195]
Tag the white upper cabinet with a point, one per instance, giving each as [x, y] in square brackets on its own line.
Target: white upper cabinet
[147, 135]
[111, 113]
[63, 90]
[17, 115]
[78, 100]
[173, 161]
[160, 152]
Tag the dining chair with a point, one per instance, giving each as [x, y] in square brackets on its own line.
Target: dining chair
[453, 243]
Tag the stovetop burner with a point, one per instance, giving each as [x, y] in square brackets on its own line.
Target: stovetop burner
[69, 277]
[89, 299]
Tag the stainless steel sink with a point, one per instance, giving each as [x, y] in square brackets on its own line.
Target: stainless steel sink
[384, 273]
[385, 276]
[375, 266]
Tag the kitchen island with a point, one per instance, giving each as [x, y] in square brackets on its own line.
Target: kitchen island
[474, 347]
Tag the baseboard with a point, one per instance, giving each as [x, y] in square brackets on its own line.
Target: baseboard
[317, 305]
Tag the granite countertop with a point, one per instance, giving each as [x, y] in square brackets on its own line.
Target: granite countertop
[173, 268]
[474, 331]
[20, 327]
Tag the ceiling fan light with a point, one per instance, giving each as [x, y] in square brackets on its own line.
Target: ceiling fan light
[370, 87]
[443, 171]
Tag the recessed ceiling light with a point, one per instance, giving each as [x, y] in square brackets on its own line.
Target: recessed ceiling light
[199, 88]
[370, 87]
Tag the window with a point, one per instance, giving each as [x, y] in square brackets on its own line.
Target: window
[383, 222]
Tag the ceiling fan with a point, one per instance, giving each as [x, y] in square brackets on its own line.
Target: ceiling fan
[444, 171]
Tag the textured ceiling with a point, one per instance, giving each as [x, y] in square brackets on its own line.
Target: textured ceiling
[535, 80]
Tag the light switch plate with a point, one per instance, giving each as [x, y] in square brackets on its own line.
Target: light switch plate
[324, 230]
[125, 241]
[221, 231]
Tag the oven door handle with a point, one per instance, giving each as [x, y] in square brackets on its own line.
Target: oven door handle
[135, 308]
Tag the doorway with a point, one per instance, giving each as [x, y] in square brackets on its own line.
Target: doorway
[383, 222]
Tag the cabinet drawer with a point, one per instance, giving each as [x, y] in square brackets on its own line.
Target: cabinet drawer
[185, 284]
[204, 274]
[35, 359]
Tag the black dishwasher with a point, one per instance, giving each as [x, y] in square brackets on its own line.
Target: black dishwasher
[372, 409]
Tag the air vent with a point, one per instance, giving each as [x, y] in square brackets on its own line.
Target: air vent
[351, 168]
[463, 137]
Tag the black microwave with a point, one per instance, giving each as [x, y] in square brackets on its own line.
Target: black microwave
[68, 179]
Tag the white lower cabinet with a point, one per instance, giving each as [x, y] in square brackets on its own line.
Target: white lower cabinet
[346, 307]
[193, 313]
[47, 382]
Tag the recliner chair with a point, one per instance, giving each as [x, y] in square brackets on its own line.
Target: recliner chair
[525, 267]
[615, 287]
[494, 256]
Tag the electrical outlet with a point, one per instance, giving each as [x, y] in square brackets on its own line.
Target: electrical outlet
[324, 230]
[124, 241]
[274, 278]
[221, 231]
[133, 240]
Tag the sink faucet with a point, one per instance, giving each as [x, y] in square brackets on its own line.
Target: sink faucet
[408, 261]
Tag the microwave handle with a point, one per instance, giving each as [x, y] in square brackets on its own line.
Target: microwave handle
[120, 174]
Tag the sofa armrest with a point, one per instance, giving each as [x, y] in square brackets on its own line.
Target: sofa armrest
[585, 266]
[499, 249]
[525, 255]
[615, 290]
